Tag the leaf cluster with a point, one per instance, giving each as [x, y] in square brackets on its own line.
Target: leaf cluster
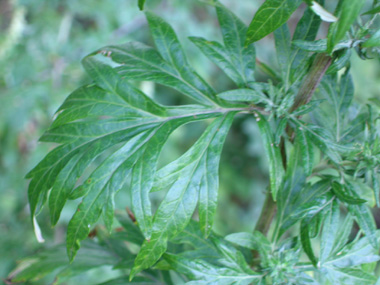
[322, 148]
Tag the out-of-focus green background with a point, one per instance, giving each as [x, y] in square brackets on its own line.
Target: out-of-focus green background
[41, 45]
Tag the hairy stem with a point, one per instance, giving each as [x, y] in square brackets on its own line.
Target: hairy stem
[304, 95]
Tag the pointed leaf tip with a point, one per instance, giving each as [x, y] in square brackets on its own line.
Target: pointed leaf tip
[141, 4]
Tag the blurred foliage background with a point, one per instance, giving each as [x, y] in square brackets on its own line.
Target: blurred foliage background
[41, 45]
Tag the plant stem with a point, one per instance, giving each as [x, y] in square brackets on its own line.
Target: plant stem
[267, 214]
[313, 78]
[318, 69]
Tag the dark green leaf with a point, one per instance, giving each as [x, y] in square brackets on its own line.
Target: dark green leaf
[341, 192]
[141, 4]
[306, 242]
[270, 16]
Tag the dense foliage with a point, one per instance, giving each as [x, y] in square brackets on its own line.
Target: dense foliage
[322, 148]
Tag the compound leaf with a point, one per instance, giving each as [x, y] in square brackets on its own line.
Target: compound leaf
[191, 178]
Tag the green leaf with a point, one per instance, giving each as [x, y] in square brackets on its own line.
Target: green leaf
[351, 276]
[330, 229]
[346, 92]
[348, 11]
[303, 142]
[341, 192]
[280, 130]
[256, 241]
[307, 108]
[201, 272]
[99, 185]
[64, 184]
[356, 253]
[306, 242]
[273, 154]
[232, 258]
[245, 95]
[191, 178]
[53, 259]
[234, 32]
[342, 61]
[343, 234]
[283, 49]
[306, 30]
[217, 53]
[132, 232]
[235, 59]
[167, 42]
[91, 121]
[372, 11]
[297, 200]
[320, 139]
[168, 67]
[363, 217]
[106, 77]
[270, 16]
[376, 186]
[366, 222]
[373, 41]
[141, 4]
[202, 248]
[312, 46]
